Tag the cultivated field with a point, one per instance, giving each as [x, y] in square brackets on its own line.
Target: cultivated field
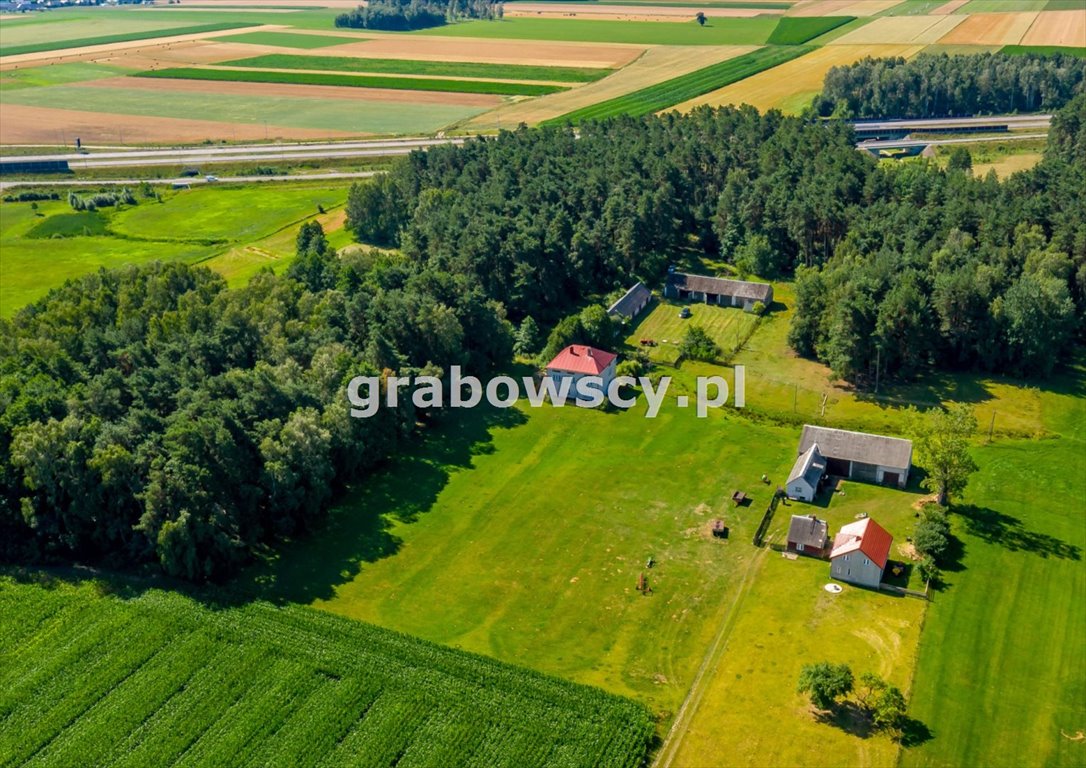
[176, 683]
[656, 65]
[990, 29]
[859, 8]
[1058, 28]
[752, 31]
[901, 30]
[727, 326]
[632, 12]
[791, 86]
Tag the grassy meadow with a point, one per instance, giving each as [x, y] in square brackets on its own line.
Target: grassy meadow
[727, 326]
[290, 39]
[724, 31]
[42, 248]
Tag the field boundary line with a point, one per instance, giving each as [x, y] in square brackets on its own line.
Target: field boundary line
[666, 755]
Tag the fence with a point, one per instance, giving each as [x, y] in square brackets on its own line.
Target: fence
[763, 526]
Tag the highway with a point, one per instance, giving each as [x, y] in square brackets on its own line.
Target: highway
[242, 153]
[949, 123]
[191, 181]
[907, 143]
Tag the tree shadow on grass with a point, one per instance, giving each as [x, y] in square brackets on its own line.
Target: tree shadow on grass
[853, 719]
[914, 733]
[359, 526]
[1009, 532]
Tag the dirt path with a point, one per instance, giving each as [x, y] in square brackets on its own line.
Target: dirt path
[673, 741]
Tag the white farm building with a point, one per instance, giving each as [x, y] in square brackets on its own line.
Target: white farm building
[825, 452]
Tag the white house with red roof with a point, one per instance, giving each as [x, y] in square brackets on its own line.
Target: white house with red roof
[860, 553]
[578, 362]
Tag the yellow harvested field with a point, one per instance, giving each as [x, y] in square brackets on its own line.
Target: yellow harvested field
[782, 86]
[432, 48]
[645, 12]
[39, 125]
[283, 90]
[948, 8]
[1005, 166]
[901, 30]
[860, 8]
[1058, 28]
[657, 64]
[991, 29]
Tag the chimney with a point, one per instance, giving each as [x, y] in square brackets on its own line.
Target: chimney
[588, 351]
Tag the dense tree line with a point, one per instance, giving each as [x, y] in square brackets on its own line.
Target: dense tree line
[900, 267]
[404, 15]
[938, 85]
[149, 414]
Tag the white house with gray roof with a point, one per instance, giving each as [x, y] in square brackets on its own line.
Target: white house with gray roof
[806, 474]
[858, 455]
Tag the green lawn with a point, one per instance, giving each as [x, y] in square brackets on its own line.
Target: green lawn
[353, 115]
[743, 31]
[410, 67]
[41, 251]
[679, 89]
[355, 81]
[106, 673]
[290, 39]
[727, 326]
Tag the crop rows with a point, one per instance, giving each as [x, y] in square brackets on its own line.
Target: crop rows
[411, 67]
[357, 81]
[685, 87]
[56, 45]
[800, 29]
[160, 680]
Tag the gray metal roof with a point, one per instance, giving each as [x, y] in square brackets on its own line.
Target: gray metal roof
[762, 292]
[631, 302]
[808, 530]
[857, 446]
[809, 465]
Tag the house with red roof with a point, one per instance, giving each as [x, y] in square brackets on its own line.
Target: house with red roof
[586, 367]
[860, 553]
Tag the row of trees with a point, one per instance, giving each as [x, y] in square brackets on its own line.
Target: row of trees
[151, 415]
[899, 268]
[404, 15]
[938, 85]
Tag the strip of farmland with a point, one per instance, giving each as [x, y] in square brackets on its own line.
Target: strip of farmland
[159, 679]
[415, 67]
[799, 29]
[355, 81]
[686, 87]
[148, 34]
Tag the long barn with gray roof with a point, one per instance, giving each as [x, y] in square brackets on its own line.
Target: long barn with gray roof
[718, 290]
[859, 455]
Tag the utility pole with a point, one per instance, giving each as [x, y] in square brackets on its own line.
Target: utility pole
[878, 364]
[991, 427]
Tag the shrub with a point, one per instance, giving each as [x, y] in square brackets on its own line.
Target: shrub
[697, 345]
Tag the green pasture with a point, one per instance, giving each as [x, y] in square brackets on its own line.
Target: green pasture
[355, 81]
[43, 248]
[358, 116]
[1043, 50]
[291, 39]
[798, 30]
[56, 74]
[743, 31]
[410, 67]
[1002, 6]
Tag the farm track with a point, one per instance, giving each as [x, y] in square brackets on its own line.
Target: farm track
[670, 748]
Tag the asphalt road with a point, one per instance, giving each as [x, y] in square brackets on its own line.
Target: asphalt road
[905, 143]
[192, 181]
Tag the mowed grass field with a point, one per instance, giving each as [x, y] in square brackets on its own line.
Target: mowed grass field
[660, 322]
[141, 31]
[191, 225]
[100, 673]
[290, 39]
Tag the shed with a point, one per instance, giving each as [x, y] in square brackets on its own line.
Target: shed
[718, 290]
[809, 536]
[859, 455]
[632, 302]
[806, 475]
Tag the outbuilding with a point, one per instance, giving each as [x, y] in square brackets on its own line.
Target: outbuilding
[806, 476]
[632, 302]
[859, 455]
[718, 290]
[808, 535]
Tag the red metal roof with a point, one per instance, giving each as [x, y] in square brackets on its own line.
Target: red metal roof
[868, 537]
[577, 358]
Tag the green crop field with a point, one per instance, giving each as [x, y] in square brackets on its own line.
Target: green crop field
[752, 31]
[155, 678]
[44, 248]
[54, 45]
[727, 326]
[1044, 50]
[1002, 6]
[795, 31]
[290, 39]
[356, 81]
[56, 74]
[410, 67]
[679, 89]
[353, 115]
